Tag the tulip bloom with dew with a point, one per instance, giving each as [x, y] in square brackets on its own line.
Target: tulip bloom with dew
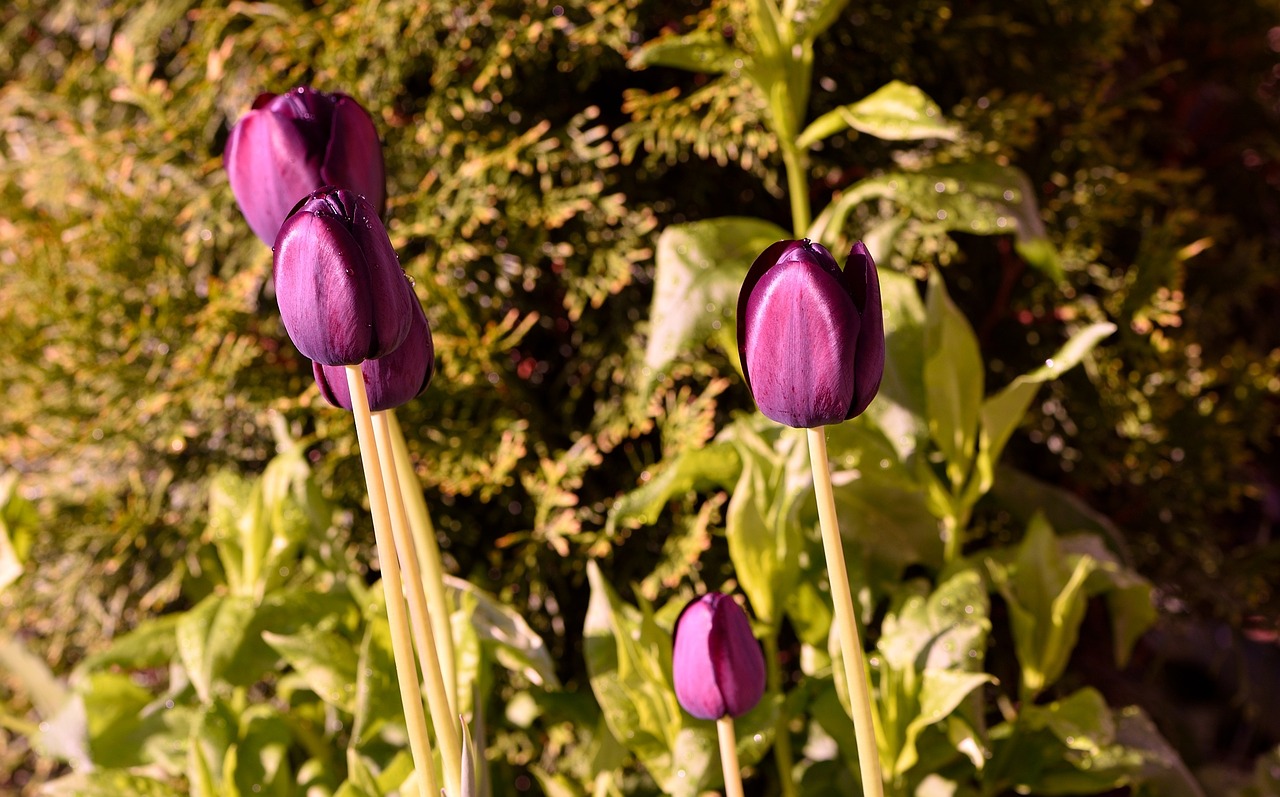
[810, 335]
[343, 297]
[717, 663]
[391, 380]
[290, 144]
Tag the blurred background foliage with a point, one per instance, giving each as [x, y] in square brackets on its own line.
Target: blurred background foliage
[530, 172]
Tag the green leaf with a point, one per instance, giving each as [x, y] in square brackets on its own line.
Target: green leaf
[941, 693]
[762, 523]
[1081, 721]
[976, 197]
[698, 273]
[1002, 412]
[108, 783]
[699, 51]
[953, 380]
[716, 465]
[896, 111]
[813, 17]
[209, 636]
[1046, 600]
[516, 646]
[626, 673]
[939, 630]
[1163, 771]
[114, 706]
[153, 643]
[377, 700]
[325, 660]
[262, 753]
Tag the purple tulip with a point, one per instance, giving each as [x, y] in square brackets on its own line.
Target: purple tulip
[291, 144]
[717, 663]
[811, 336]
[391, 380]
[343, 296]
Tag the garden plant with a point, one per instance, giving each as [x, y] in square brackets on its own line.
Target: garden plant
[609, 397]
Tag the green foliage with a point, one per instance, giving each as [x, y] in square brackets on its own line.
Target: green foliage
[1044, 184]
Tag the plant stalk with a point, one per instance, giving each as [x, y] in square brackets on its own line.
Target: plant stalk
[729, 757]
[855, 668]
[424, 542]
[393, 589]
[782, 731]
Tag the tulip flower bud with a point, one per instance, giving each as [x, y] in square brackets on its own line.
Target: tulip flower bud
[391, 380]
[291, 144]
[811, 337]
[343, 296]
[717, 663]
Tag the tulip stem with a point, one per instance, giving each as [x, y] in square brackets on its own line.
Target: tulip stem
[729, 757]
[797, 187]
[442, 713]
[424, 542]
[401, 646]
[782, 731]
[855, 668]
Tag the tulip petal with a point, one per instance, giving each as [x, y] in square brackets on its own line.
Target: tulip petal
[736, 658]
[322, 289]
[269, 171]
[695, 680]
[798, 335]
[392, 380]
[354, 156]
[389, 288]
[860, 272]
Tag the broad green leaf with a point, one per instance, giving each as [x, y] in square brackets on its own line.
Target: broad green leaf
[262, 754]
[1081, 721]
[377, 699]
[953, 381]
[700, 51]
[18, 522]
[1129, 596]
[1164, 773]
[628, 680]
[209, 636]
[762, 524]
[896, 111]
[1025, 497]
[108, 783]
[813, 17]
[285, 611]
[899, 408]
[940, 694]
[114, 706]
[154, 643]
[1002, 412]
[716, 465]
[939, 630]
[211, 739]
[325, 660]
[1046, 599]
[975, 197]
[698, 273]
[515, 645]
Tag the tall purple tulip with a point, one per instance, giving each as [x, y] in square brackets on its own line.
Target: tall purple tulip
[291, 144]
[717, 664]
[391, 380]
[811, 336]
[343, 296]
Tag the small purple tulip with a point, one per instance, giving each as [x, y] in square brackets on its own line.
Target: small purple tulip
[291, 144]
[343, 296]
[392, 380]
[811, 336]
[717, 663]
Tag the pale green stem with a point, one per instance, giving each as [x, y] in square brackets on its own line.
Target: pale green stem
[782, 732]
[424, 542]
[393, 589]
[855, 668]
[442, 714]
[729, 757]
